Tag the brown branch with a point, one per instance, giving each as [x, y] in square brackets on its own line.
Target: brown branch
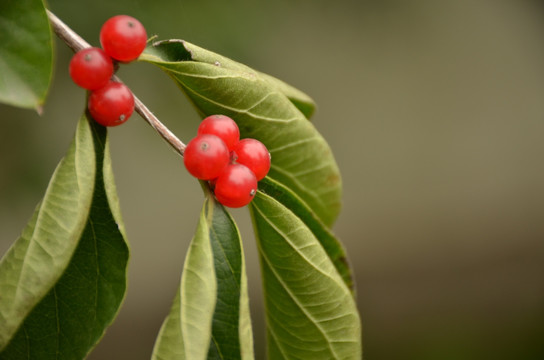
[76, 43]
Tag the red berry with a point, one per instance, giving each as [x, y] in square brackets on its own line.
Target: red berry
[91, 68]
[253, 154]
[221, 126]
[112, 104]
[236, 186]
[123, 38]
[206, 156]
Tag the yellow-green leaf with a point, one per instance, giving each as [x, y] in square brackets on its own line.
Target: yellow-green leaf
[310, 312]
[332, 246]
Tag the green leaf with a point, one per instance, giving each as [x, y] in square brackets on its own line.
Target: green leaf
[39, 257]
[310, 312]
[63, 280]
[301, 100]
[231, 327]
[332, 246]
[210, 315]
[301, 159]
[26, 53]
[179, 50]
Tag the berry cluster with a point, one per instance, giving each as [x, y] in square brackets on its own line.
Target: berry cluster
[123, 38]
[232, 166]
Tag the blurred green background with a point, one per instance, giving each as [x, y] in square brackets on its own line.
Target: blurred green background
[435, 112]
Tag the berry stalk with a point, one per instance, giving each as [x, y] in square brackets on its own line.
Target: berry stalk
[77, 43]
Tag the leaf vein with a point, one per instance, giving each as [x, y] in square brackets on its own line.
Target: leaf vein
[230, 108]
[286, 287]
[296, 181]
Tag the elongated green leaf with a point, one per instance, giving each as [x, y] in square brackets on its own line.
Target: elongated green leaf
[301, 158]
[232, 337]
[63, 281]
[332, 246]
[178, 50]
[35, 262]
[310, 311]
[210, 315]
[186, 332]
[26, 53]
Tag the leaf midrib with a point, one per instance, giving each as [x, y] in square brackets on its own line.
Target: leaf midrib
[238, 110]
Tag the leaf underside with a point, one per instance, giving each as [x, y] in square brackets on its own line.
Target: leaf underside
[301, 159]
[83, 291]
[26, 53]
[210, 315]
[310, 312]
[332, 246]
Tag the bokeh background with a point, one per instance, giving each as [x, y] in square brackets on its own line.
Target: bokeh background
[435, 113]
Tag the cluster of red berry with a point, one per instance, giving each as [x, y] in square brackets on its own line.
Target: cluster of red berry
[232, 166]
[123, 38]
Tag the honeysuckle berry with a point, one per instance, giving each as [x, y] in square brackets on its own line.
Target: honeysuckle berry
[253, 154]
[123, 38]
[91, 68]
[112, 104]
[221, 126]
[236, 186]
[206, 156]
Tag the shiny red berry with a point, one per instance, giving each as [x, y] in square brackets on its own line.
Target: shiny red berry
[236, 186]
[223, 127]
[123, 38]
[112, 104]
[206, 156]
[91, 68]
[253, 154]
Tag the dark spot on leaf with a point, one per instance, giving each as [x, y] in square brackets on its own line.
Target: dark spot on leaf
[333, 180]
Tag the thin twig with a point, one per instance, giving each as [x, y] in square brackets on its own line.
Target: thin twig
[77, 43]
